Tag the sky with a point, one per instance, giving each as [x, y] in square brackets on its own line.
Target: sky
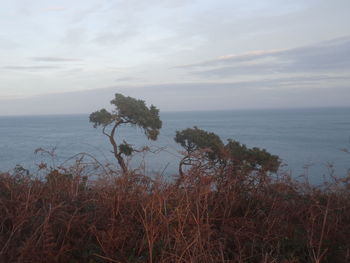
[61, 57]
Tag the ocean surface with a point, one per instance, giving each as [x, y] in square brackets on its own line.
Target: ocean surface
[307, 140]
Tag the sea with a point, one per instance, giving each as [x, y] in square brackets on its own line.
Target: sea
[312, 142]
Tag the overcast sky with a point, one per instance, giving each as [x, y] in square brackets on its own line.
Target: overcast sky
[63, 56]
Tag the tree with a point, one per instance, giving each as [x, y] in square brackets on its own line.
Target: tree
[202, 146]
[251, 159]
[128, 111]
[198, 142]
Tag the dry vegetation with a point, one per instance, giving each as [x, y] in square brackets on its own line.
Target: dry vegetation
[200, 217]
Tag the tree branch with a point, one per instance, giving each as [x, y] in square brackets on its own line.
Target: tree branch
[104, 131]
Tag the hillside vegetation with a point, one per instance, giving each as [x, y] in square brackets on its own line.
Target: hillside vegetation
[202, 216]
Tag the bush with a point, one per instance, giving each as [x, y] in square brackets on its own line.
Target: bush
[134, 218]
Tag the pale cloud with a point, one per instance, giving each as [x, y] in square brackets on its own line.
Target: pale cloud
[31, 68]
[75, 36]
[54, 9]
[185, 96]
[55, 59]
[142, 5]
[6, 43]
[112, 39]
[127, 79]
[80, 14]
[329, 56]
[227, 59]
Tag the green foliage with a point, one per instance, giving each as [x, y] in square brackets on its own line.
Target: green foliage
[126, 149]
[254, 158]
[128, 111]
[194, 139]
[135, 112]
[265, 160]
[101, 118]
[233, 153]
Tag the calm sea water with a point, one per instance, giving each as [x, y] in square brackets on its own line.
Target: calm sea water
[303, 138]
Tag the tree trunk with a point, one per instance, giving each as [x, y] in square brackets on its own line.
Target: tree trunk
[180, 167]
[115, 150]
[121, 163]
[181, 173]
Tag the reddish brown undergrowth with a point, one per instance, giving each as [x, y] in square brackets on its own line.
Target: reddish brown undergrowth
[204, 217]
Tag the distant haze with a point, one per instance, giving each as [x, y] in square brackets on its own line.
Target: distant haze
[61, 57]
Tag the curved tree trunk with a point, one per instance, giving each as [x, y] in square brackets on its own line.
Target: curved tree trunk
[121, 163]
[181, 173]
[117, 155]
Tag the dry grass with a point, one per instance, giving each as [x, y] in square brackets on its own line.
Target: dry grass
[204, 217]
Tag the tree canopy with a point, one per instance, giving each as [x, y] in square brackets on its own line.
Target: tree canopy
[252, 158]
[194, 139]
[198, 142]
[202, 146]
[127, 111]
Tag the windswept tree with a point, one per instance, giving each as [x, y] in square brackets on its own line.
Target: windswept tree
[250, 159]
[127, 111]
[202, 147]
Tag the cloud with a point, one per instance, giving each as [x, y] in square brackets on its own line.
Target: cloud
[328, 56]
[142, 5]
[127, 79]
[110, 38]
[54, 59]
[31, 68]
[187, 96]
[249, 56]
[83, 14]
[75, 36]
[296, 82]
[54, 9]
[6, 43]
